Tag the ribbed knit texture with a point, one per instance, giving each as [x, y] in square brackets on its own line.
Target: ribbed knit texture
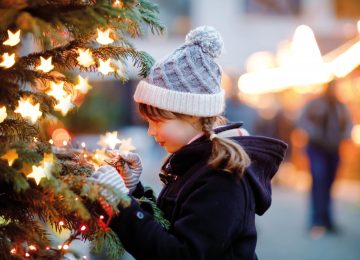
[187, 81]
[108, 176]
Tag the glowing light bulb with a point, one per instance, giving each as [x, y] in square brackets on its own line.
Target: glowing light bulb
[45, 64]
[57, 90]
[14, 38]
[109, 140]
[8, 60]
[29, 111]
[11, 155]
[105, 66]
[37, 174]
[104, 37]
[85, 57]
[64, 105]
[83, 86]
[126, 146]
[3, 114]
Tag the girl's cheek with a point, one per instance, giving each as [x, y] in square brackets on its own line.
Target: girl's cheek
[170, 131]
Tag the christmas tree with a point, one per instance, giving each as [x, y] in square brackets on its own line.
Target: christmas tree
[40, 184]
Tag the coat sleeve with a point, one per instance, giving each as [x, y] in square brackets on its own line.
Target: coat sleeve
[207, 222]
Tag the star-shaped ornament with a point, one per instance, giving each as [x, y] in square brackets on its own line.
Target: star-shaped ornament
[11, 155]
[126, 146]
[3, 114]
[8, 60]
[28, 111]
[104, 37]
[85, 58]
[105, 66]
[14, 38]
[45, 64]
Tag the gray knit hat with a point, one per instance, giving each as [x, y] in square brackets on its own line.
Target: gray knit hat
[188, 80]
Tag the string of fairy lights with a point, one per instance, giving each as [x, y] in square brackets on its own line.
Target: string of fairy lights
[30, 110]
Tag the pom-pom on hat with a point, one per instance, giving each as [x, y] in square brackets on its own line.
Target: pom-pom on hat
[188, 80]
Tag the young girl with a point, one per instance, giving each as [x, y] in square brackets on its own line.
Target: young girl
[216, 177]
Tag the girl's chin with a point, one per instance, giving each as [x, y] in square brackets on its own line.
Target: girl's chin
[170, 149]
[166, 147]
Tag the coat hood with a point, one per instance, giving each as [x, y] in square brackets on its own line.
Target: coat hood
[265, 153]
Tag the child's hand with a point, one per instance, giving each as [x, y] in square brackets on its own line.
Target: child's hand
[128, 165]
[108, 176]
[110, 179]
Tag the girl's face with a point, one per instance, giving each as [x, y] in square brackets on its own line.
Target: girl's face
[172, 134]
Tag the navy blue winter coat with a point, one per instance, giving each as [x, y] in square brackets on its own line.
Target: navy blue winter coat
[212, 216]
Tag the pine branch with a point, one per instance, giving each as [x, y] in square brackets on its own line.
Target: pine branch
[21, 75]
[11, 180]
[107, 242]
[65, 57]
[17, 130]
[29, 232]
[149, 13]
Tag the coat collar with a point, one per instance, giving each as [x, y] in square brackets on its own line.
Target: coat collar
[197, 151]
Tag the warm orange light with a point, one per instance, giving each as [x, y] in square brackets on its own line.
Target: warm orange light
[117, 4]
[105, 66]
[127, 146]
[8, 60]
[64, 105]
[347, 61]
[3, 114]
[301, 65]
[28, 111]
[37, 174]
[355, 134]
[32, 248]
[59, 136]
[45, 64]
[83, 86]
[307, 66]
[13, 38]
[85, 57]
[260, 61]
[11, 155]
[57, 90]
[104, 37]
[109, 140]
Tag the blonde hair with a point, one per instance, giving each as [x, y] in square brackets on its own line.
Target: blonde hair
[226, 154]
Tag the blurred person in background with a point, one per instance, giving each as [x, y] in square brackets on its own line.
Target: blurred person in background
[327, 122]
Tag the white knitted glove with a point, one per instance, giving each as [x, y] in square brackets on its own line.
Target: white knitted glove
[108, 176]
[128, 165]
